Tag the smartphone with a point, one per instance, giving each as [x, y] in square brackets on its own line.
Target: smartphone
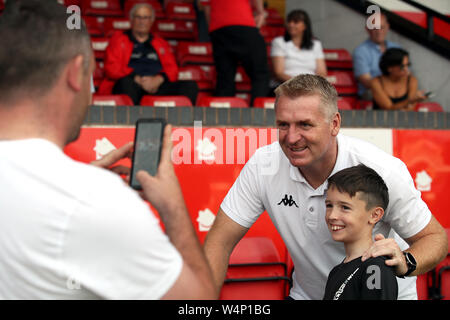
[147, 148]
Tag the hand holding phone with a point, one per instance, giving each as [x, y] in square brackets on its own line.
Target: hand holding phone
[147, 148]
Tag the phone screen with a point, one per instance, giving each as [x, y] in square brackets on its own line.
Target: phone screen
[147, 148]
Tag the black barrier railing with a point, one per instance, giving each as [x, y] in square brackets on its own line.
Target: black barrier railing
[424, 36]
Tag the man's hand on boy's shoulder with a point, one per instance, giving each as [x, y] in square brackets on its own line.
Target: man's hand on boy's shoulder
[387, 247]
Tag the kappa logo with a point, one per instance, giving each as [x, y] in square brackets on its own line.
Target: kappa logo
[288, 201]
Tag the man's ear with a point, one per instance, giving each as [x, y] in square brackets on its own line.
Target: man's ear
[375, 215]
[75, 73]
[336, 124]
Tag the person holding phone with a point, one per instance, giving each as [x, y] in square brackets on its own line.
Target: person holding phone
[70, 230]
[396, 88]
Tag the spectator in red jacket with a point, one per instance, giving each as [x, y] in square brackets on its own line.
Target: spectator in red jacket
[143, 64]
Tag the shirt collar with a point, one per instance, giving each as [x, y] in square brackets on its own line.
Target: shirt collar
[295, 174]
[130, 35]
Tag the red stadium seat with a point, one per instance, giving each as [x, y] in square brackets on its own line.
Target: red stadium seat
[338, 59]
[165, 101]
[98, 74]
[94, 25]
[222, 102]
[66, 3]
[442, 275]
[156, 5]
[113, 24]
[270, 32]
[422, 284]
[197, 74]
[343, 81]
[99, 46]
[176, 29]
[255, 272]
[194, 53]
[112, 100]
[264, 102]
[274, 18]
[180, 10]
[344, 104]
[429, 106]
[101, 7]
[242, 80]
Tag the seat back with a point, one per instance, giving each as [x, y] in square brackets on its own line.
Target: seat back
[180, 10]
[222, 102]
[101, 7]
[112, 100]
[264, 102]
[338, 59]
[99, 46]
[255, 272]
[194, 53]
[176, 29]
[165, 101]
[429, 106]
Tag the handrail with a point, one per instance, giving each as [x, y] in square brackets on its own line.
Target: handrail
[428, 10]
[410, 29]
[431, 13]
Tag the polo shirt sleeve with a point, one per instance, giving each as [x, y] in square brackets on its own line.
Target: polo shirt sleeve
[407, 213]
[278, 48]
[361, 64]
[243, 202]
[115, 248]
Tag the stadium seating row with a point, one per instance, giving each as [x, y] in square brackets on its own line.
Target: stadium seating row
[205, 100]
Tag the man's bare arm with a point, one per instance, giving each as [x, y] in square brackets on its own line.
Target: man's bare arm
[164, 193]
[429, 247]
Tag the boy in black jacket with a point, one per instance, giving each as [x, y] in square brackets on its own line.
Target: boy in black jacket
[356, 200]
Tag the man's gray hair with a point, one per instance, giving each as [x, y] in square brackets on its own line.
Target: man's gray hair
[137, 6]
[309, 84]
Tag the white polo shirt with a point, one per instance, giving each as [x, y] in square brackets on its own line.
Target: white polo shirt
[296, 60]
[269, 182]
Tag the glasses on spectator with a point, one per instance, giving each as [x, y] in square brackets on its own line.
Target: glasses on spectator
[403, 66]
[142, 17]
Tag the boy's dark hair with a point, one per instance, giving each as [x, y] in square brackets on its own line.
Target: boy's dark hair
[363, 179]
[392, 57]
[35, 45]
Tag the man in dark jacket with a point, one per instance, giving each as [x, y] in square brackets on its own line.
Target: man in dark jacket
[143, 64]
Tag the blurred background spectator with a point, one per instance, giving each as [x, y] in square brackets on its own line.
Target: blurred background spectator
[396, 88]
[140, 63]
[367, 55]
[297, 52]
[235, 39]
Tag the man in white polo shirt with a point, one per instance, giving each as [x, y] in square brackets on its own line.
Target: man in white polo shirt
[289, 179]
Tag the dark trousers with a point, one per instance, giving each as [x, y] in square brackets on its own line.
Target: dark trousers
[240, 44]
[128, 86]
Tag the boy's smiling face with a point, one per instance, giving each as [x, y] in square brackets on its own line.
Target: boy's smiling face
[347, 217]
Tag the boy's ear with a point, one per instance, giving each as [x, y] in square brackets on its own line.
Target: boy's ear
[375, 215]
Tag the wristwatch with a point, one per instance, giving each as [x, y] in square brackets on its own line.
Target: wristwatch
[410, 263]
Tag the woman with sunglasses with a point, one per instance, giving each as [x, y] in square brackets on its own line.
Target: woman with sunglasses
[396, 88]
[298, 51]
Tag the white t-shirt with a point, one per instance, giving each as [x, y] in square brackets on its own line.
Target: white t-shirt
[297, 61]
[269, 182]
[69, 230]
